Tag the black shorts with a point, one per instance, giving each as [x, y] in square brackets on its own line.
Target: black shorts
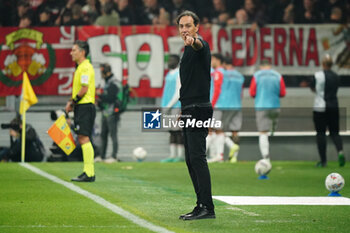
[176, 137]
[84, 118]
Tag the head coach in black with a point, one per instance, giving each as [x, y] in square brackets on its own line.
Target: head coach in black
[194, 98]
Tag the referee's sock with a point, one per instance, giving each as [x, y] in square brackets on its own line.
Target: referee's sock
[88, 156]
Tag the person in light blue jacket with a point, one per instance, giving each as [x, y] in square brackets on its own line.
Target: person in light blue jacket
[267, 87]
[171, 105]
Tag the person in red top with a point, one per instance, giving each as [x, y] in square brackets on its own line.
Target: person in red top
[216, 137]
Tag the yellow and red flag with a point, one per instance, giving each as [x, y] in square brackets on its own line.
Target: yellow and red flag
[28, 96]
[61, 135]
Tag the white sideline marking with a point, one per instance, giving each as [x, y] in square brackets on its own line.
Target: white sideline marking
[60, 226]
[286, 133]
[261, 200]
[243, 211]
[99, 200]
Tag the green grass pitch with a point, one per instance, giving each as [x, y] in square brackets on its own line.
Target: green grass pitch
[159, 193]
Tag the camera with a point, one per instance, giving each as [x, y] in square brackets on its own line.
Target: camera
[10, 126]
[54, 115]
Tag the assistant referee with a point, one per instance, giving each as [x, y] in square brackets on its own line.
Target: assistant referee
[83, 104]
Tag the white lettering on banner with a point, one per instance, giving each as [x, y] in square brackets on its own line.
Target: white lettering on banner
[68, 37]
[66, 75]
[113, 57]
[176, 45]
[154, 70]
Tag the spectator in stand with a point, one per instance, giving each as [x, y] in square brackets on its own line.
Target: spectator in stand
[34, 4]
[6, 12]
[109, 16]
[91, 11]
[23, 8]
[26, 20]
[276, 11]
[102, 2]
[336, 16]
[77, 16]
[126, 13]
[45, 18]
[308, 13]
[66, 17]
[67, 7]
[328, 7]
[176, 7]
[219, 13]
[347, 12]
[233, 6]
[253, 13]
[241, 17]
[151, 13]
[288, 14]
[203, 8]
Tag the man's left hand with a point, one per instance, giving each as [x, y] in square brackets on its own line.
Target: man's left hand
[69, 106]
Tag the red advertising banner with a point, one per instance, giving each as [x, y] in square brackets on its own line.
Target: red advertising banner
[138, 54]
[292, 49]
[44, 53]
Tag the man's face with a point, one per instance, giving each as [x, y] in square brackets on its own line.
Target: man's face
[214, 62]
[103, 74]
[14, 133]
[187, 27]
[76, 53]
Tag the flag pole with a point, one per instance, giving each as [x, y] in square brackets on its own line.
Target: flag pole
[23, 136]
[28, 99]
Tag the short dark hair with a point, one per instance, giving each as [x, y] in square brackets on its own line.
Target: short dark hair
[83, 45]
[218, 56]
[108, 8]
[188, 13]
[228, 60]
[173, 61]
[106, 68]
[23, 3]
[45, 10]
[265, 62]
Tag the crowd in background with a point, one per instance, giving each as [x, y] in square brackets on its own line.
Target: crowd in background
[27, 13]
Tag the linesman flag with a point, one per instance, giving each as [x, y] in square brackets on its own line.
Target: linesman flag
[28, 96]
[61, 135]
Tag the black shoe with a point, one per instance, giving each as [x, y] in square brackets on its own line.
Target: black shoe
[201, 213]
[84, 178]
[190, 213]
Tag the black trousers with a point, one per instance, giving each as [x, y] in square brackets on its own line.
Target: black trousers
[195, 154]
[109, 127]
[323, 121]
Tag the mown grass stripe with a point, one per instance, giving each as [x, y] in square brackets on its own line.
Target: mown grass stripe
[99, 200]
